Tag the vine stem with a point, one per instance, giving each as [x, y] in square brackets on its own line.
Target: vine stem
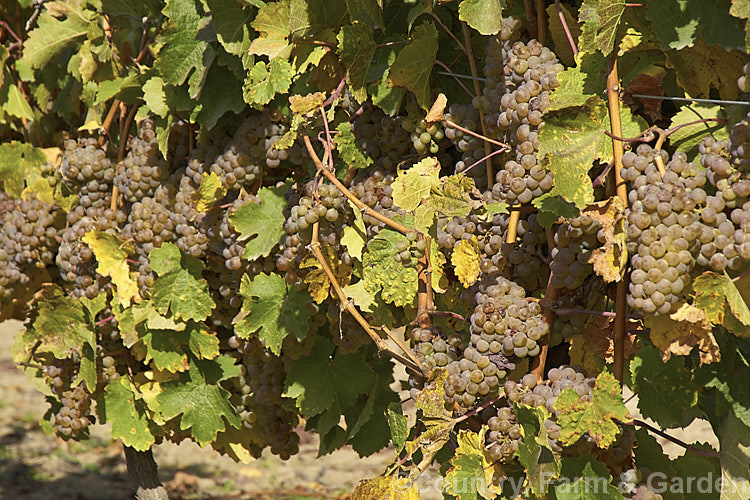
[672, 439]
[350, 196]
[478, 92]
[613, 99]
[515, 216]
[568, 34]
[144, 474]
[450, 33]
[478, 136]
[541, 22]
[528, 7]
[412, 363]
[591, 312]
[424, 286]
[737, 278]
[548, 315]
[458, 80]
[480, 408]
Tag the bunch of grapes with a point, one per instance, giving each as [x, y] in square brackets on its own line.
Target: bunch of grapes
[434, 348]
[144, 168]
[410, 251]
[425, 137]
[381, 137]
[575, 240]
[85, 169]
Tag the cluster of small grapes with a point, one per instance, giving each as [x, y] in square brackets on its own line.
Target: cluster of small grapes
[575, 240]
[504, 327]
[86, 170]
[434, 348]
[567, 325]
[410, 251]
[74, 417]
[260, 385]
[381, 137]
[632, 485]
[346, 334]
[75, 259]
[663, 230]
[425, 137]
[527, 255]
[144, 168]
[29, 238]
[373, 188]
[325, 205]
[743, 82]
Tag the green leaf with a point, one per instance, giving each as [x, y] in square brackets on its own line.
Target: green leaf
[656, 382]
[165, 259]
[596, 416]
[349, 149]
[264, 81]
[587, 479]
[734, 443]
[497, 208]
[551, 207]
[367, 424]
[272, 24]
[580, 83]
[200, 399]
[215, 104]
[736, 301]
[182, 52]
[535, 451]
[678, 23]
[413, 65]
[263, 222]
[52, 36]
[396, 283]
[155, 97]
[308, 17]
[466, 477]
[399, 426]
[108, 89]
[355, 237]
[179, 291]
[414, 185]
[111, 261]
[600, 19]
[485, 16]
[316, 381]
[130, 420]
[272, 309]
[356, 48]
[366, 12]
[19, 161]
[15, 104]
[209, 192]
[688, 138]
[572, 139]
[230, 25]
[62, 326]
[690, 66]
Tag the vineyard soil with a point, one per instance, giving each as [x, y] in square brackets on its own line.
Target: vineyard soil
[34, 466]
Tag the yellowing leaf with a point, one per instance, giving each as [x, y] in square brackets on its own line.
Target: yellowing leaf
[386, 488]
[306, 104]
[679, 333]
[415, 184]
[355, 237]
[111, 260]
[436, 111]
[210, 190]
[465, 260]
[470, 474]
[610, 259]
[318, 284]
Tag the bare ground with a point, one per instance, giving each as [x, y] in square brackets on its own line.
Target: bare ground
[34, 466]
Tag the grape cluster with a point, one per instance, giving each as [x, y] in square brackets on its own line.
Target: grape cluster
[144, 168]
[434, 348]
[410, 251]
[85, 169]
[74, 417]
[425, 137]
[575, 241]
[381, 137]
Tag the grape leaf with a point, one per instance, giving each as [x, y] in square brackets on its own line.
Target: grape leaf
[366, 12]
[586, 479]
[182, 294]
[683, 330]
[688, 138]
[182, 52]
[209, 192]
[349, 149]
[165, 259]
[396, 283]
[431, 399]
[736, 302]
[229, 23]
[551, 206]
[580, 83]
[307, 104]
[263, 222]
[356, 48]
[318, 284]
[62, 325]
[130, 419]
[557, 32]
[611, 258]
[690, 63]
[386, 488]
[340, 380]
[572, 139]
[597, 416]
[413, 65]
[15, 104]
[155, 97]
[399, 426]
[534, 451]
[271, 309]
[264, 81]
[200, 399]
[52, 36]
[485, 16]
[272, 24]
[367, 426]
[600, 19]
[467, 477]
[213, 105]
[414, 185]
[111, 261]
[169, 348]
[677, 24]
[741, 10]
[355, 236]
[656, 382]
[465, 260]
[734, 443]
[19, 161]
